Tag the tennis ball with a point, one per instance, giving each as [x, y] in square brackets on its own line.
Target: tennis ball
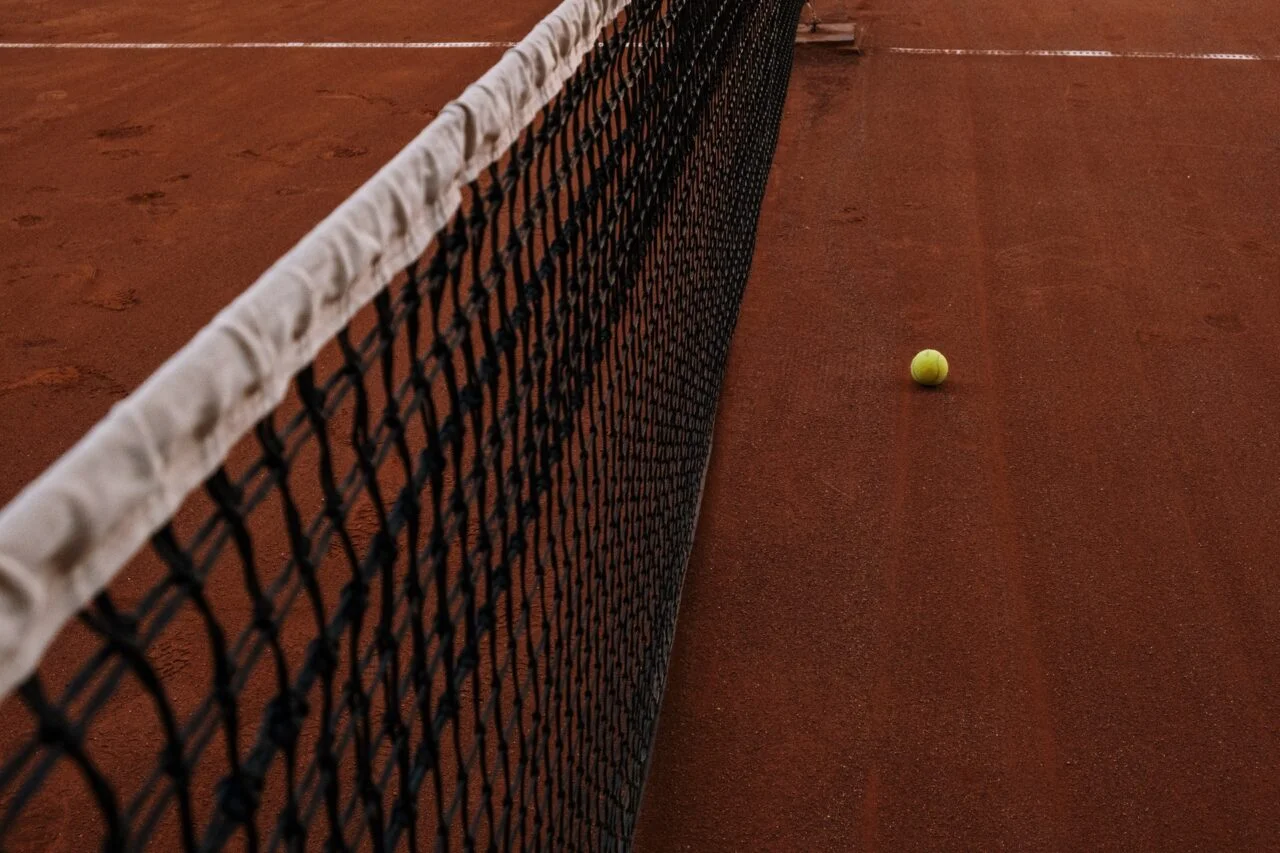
[929, 367]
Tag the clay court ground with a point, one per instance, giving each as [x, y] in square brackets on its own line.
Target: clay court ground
[1036, 609]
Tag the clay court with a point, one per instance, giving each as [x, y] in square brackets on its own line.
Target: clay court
[1033, 609]
[139, 184]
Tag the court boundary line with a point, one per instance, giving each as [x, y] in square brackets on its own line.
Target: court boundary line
[480, 45]
[1078, 54]
[255, 45]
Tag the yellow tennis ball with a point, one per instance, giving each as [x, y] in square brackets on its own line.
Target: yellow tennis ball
[929, 367]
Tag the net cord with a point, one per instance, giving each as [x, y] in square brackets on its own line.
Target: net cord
[66, 535]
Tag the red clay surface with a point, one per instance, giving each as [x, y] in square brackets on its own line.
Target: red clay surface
[1038, 608]
[1035, 609]
[140, 192]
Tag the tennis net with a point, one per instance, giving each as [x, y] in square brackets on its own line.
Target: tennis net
[389, 556]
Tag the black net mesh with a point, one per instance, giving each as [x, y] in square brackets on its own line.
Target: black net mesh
[428, 603]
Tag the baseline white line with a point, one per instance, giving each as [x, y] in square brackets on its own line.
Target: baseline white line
[254, 45]
[1079, 54]
[464, 45]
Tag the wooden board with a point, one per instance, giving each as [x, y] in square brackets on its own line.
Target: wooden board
[843, 35]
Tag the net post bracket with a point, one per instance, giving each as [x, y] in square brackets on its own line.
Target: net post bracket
[845, 37]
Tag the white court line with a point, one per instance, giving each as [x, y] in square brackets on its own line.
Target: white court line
[1080, 54]
[253, 45]
[462, 45]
